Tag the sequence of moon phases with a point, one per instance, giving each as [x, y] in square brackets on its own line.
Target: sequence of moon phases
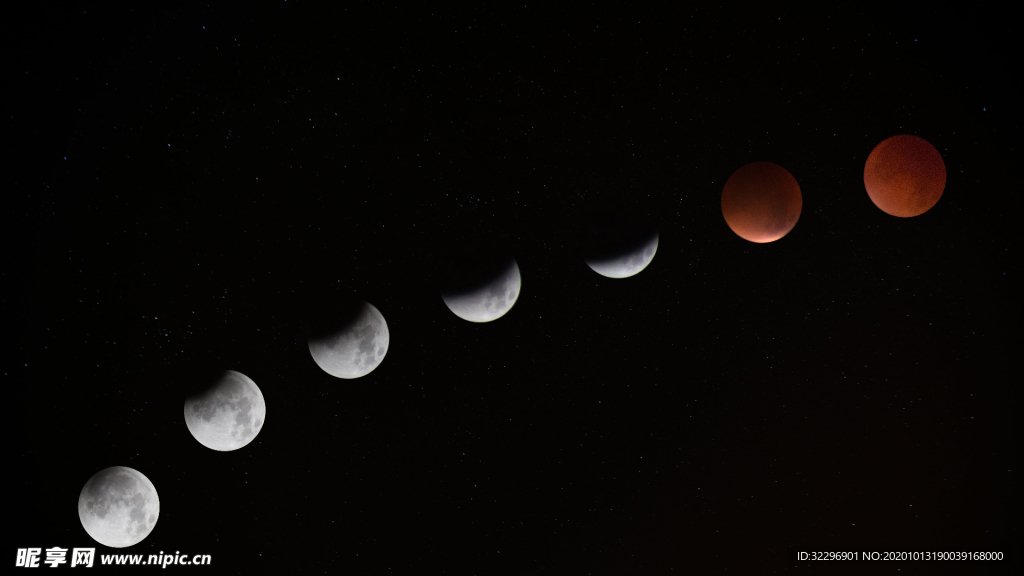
[905, 176]
[118, 507]
[352, 342]
[761, 202]
[482, 286]
[227, 414]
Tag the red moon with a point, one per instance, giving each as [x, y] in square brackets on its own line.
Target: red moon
[761, 202]
[905, 176]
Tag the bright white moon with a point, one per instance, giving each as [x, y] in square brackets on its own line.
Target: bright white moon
[229, 414]
[118, 507]
[627, 264]
[490, 301]
[356, 349]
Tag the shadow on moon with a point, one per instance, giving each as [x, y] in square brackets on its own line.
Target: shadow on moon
[227, 412]
[761, 202]
[617, 241]
[480, 282]
[349, 339]
[905, 176]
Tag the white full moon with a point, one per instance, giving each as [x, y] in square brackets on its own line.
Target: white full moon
[229, 414]
[488, 302]
[628, 263]
[118, 507]
[356, 349]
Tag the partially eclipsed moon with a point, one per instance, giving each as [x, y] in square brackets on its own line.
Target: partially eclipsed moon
[354, 349]
[905, 175]
[628, 262]
[761, 202]
[228, 415]
[118, 507]
[488, 301]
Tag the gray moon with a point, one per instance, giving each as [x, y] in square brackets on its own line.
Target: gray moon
[626, 265]
[354, 350]
[118, 507]
[228, 415]
[488, 302]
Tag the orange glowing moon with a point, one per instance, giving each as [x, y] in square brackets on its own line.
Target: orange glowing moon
[761, 202]
[905, 175]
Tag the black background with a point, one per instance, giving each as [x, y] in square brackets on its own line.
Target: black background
[190, 186]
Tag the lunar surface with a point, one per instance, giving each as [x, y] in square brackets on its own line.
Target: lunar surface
[905, 176]
[761, 202]
[488, 300]
[118, 507]
[227, 415]
[628, 262]
[355, 347]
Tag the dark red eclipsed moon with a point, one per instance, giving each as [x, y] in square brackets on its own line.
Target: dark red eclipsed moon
[905, 175]
[761, 202]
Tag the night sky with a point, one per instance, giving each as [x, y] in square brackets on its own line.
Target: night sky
[192, 187]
